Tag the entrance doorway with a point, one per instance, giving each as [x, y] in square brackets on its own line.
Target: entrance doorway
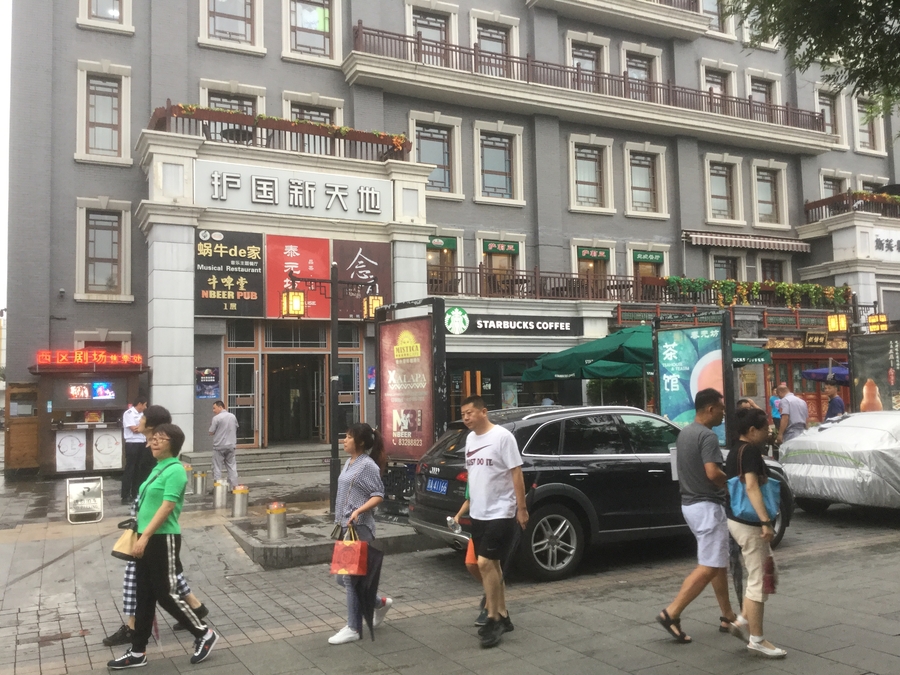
[296, 398]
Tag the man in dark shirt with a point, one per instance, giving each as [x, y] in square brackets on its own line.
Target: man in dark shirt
[835, 403]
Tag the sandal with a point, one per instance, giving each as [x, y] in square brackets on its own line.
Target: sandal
[726, 629]
[673, 627]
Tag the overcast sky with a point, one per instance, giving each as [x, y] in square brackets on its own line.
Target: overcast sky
[5, 39]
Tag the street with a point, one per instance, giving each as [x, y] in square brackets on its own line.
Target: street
[835, 612]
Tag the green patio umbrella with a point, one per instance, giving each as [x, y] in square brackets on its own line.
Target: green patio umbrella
[608, 369]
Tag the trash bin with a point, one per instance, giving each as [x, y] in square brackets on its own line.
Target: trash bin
[220, 494]
[277, 520]
[241, 500]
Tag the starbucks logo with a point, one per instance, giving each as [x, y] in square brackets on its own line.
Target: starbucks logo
[456, 320]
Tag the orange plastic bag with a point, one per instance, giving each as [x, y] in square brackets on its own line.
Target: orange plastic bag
[350, 556]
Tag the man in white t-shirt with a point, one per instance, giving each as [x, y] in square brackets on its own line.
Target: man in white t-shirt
[497, 503]
[134, 445]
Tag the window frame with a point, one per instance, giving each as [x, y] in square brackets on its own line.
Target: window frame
[600, 43]
[450, 10]
[313, 99]
[234, 89]
[783, 258]
[123, 27]
[738, 254]
[839, 111]
[103, 204]
[737, 187]
[455, 125]
[835, 174]
[103, 70]
[256, 48]
[780, 168]
[517, 164]
[877, 126]
[498, 19]
[575, 243]
[642, 49]
[495, 235]
[606, 187]
[661, 170]
[447, 144]
[773, 78]
[726, 30]
[632, 246]
[863, 178]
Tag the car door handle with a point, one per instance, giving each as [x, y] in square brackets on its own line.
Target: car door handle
[656, 470]
[578, 475]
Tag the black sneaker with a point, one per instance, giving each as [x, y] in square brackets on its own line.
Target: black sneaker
[203, 646]
[482, 618]
[201, 611]
[492, 633]
[507, 623]
[123, 636]
[127, 660]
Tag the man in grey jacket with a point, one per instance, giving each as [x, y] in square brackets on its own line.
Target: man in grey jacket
[224, 432]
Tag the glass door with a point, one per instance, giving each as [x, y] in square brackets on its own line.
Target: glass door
[348, 393]
[242, 396]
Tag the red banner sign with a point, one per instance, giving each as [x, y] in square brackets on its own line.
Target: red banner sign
[291, 258]
[87, 357]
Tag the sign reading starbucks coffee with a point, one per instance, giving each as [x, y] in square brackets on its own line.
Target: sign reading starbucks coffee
[459, 322]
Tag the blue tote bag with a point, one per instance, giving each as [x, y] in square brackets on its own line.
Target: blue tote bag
[740, 502]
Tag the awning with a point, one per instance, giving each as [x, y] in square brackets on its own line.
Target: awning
[747, 241]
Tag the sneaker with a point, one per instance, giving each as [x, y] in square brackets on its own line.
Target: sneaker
[772, 652]
[507, 623]
[127, 660]
[343, 636]
[492, 633]
[482, 618]
[203, 646]
[380, 612]
[202, 611]
[123, 636]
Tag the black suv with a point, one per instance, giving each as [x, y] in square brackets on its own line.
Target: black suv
[593, 475]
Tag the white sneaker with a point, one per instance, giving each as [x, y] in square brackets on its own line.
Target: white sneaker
[343, 636]
[381, 611]
[769, 653]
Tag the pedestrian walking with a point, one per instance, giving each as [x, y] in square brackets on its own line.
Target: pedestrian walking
[754, 537]
[224, 432]
[794, 414]
[775, 406]
[360, 491]
[157, 552]
[497, 504]
[134, 445]
[703, 494]
[835, 402]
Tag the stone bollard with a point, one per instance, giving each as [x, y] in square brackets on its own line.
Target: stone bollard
[190, 485]
[241, 500]
[277, 520]
[220, 494]
[199, 482]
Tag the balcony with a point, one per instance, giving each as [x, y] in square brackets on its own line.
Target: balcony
[410, 65]
[225, 126]
[666, 18]
[886, 206]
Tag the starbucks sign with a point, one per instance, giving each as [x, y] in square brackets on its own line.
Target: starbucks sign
[456, 320]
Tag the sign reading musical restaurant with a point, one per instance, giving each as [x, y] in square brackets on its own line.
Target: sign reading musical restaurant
[223, 185]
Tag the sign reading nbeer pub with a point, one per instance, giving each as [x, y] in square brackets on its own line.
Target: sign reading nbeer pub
[228, 274]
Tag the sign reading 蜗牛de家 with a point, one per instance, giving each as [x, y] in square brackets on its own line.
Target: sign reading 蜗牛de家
[228, 274]
[223, 185]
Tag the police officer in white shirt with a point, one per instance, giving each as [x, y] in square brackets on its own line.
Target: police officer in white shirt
[134, 444]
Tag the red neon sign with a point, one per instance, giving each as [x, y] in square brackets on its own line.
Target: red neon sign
[86, 357]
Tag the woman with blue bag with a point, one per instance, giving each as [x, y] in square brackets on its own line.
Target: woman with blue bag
[752, 507]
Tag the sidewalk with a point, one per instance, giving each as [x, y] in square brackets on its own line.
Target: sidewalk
[836, 610]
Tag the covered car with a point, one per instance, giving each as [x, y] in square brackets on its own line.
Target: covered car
[854, 459]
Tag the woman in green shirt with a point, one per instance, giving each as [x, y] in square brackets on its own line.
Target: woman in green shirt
[157, 552]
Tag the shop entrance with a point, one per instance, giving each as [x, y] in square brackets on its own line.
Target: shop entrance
[296, 398]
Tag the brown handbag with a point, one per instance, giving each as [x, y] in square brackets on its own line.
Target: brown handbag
[125, 545]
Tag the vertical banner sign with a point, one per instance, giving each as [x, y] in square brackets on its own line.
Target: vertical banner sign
[690, 360]
[291, 258]
[875, 372]
[406, 369]
[71, 450]
[228, 275]
[107, 447]
[206, 383]
[361, 262]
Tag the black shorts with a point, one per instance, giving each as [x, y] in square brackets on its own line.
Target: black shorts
[493, 539]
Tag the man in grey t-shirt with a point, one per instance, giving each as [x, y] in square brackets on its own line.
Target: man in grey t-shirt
[224, 432]
[794, 414]
[703, 493]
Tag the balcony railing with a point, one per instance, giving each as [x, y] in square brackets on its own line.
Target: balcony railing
[226, 126]
[865, 202]
[475, 60]
[687, 5]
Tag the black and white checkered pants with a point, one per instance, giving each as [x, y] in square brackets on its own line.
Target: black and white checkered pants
[129, 589]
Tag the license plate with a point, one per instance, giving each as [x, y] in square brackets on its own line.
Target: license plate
[438, 485]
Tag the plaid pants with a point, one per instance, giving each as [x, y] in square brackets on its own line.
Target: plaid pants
[129, 589]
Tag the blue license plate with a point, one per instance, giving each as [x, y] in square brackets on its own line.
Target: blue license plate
[438, 485]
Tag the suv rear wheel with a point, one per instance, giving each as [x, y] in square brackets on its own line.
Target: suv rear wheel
[553, 543]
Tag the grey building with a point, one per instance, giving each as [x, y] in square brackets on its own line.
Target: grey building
[566, 156]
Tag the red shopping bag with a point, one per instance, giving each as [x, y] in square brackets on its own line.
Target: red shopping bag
[351, 556]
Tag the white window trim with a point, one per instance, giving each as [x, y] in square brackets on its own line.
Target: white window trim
[499, 127]
[81, 104]
[747, 37]
[337, 39]
[435, 7]
[881, 290]
[256, 49]
[845, 176]
[83, 205]
[124, 27]
[785, 258]
[594, 243]
[314, 99]
[774, 78]
[878, 123]
[840, 110]
[740, 254]
[661, 190]
[867, 178]
[608, 194]
[481, 235]
[737, 183]
[783, 222]
[460, 236]
[233, 87]
[104, 335]
[713, 64]
[455, 125]
[633, 246]
[592, 40]
[727, 33]
[476, 15]
[644, 50]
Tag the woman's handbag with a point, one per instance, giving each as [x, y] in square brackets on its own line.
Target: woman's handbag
[740, 503]
[125, 545]
[350, 555]
[336, 532]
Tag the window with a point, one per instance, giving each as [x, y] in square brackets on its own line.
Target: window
[241, 333]
[725, 267]
[643, 182]
[865, 134]
[716, 81]
[640, 76]
[646, 269]
[711, 9]
[106, 10]
[241, 104]
[496, 166]
[231, 20]
[102, 268]
[103, 251]
[647, 435]
[592, 268]
[828, 108]
[588, 58]
[500, 261]
[441, 267]
[592, 435]
[317, 145]
[767, 196]
[721, 191]
[832, 186]
[874, 188]
[111, 16]
[104, 116]
[433, 27]
[588, 55]
[762, 99]
[433, 147]
[311, 27]
[545, 441]
[646, 259]
[493, 42]
[589, 176]
[772, 270]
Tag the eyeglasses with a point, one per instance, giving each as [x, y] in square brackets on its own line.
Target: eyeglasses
[159, 438]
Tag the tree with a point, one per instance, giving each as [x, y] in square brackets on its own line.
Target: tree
[856, 42]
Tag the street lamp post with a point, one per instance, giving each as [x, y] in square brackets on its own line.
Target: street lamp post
[335, 465]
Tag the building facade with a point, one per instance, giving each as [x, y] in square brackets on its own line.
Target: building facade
[564, 158]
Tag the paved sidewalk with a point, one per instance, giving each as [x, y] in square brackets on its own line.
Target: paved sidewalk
[836, 610]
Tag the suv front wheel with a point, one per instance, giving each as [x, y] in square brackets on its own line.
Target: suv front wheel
[553, 543]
